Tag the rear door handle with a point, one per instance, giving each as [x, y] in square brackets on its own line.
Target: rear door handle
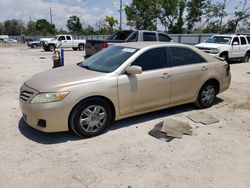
[165, 75]
[204, 68]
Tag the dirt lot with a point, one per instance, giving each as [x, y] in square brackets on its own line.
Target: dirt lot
[217, 155]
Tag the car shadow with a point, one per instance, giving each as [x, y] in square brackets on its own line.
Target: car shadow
[57, 138]
[45, 138]
[156, 114]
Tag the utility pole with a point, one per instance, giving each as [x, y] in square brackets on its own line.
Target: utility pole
[120, 14]
[222, 13]
[50, 12]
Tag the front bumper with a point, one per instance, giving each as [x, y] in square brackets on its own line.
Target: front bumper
[46, 117]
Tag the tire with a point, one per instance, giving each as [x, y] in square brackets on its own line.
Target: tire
[224, 56]
[34, 46]
[74, 49]
[45, 49]
[90, 117]
[246, 58]
[51, 48]
[81, 47]
[206, 96]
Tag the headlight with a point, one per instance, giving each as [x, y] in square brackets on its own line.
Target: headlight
[214, 51]
[49, 97]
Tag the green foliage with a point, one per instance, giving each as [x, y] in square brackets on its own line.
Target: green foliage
[194, 12]
[111, 21]
[45, 28]
[74, 25]
[13, 27]
[142, 14]
[1, 28]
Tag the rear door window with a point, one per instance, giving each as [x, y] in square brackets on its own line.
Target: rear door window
[152, 59]
[184, 56]
[149, 37]
[243, 40]
[248, 39]
[68, 37]
[163, 37]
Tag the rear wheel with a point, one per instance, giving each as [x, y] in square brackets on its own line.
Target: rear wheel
[90, 117]
[246, 58]
[81, 47]
[206, 96]
[34, 46]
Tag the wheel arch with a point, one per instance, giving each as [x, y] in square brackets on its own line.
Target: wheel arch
[224, 52]
[107, 100]
[215, 82]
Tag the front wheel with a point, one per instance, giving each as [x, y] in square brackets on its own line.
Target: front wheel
[51, 48]
[90, 117]
[206, 96]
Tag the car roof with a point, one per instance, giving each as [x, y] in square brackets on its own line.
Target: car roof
[142, 45]
[232, 35]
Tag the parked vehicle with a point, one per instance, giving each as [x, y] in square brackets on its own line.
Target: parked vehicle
[64, 41]
[228, 47]
[4, 38]
[34, 44]
[121, 81]
[93, 46]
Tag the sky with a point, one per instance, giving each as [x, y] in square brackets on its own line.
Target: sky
[89, 11]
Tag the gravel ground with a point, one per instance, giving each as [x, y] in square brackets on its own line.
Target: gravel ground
[217, 155]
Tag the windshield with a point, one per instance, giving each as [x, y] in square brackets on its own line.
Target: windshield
[108, 59]
[219, 40]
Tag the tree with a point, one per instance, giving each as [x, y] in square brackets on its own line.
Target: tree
[239, 16]
[31, 28]
[13, 27]
[194, 12]
[111, 21]
[1, 28]
[143, 14]
[45, 28]
[213, 17]
[74, 25]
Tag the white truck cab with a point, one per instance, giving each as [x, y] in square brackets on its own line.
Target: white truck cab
[64, 41]
[228, 47]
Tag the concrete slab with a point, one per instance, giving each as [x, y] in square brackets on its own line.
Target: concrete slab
[202, 117]
[176, 128]
[156, 132]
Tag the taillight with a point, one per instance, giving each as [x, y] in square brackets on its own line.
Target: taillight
[105, 45]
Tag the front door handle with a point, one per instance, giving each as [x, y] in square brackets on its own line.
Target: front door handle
[165, 75]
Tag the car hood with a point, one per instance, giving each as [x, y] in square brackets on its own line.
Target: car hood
[210, 45]
[54, 79]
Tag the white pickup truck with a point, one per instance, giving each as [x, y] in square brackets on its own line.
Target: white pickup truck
[228, 47]
[64, 41]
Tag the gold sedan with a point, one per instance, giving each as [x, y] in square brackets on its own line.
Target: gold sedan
[121, 81]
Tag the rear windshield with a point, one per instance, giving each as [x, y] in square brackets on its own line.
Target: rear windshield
[108, 59]
[120, 35]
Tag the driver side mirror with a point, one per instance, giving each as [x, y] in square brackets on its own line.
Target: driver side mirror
[235, 43]
[134, 70]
